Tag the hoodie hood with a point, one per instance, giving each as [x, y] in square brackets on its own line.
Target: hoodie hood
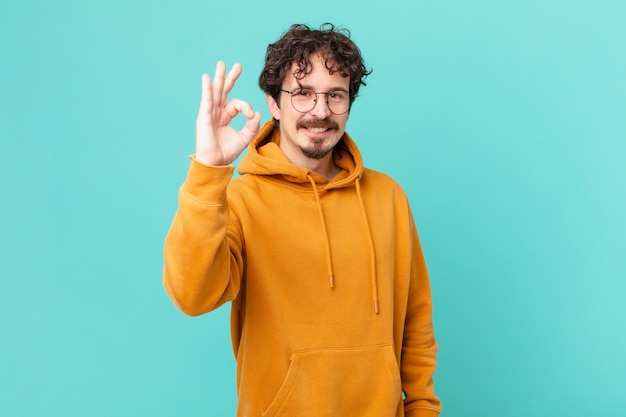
[264, 157]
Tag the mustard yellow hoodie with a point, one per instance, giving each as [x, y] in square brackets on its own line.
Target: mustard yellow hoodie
[331, 304]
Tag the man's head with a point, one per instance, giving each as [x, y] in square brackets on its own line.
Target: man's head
[310, 79]
[300, 44]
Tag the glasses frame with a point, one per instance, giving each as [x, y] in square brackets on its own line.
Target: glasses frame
[292, 93]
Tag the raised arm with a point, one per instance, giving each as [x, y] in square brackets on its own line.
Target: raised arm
[203, 249]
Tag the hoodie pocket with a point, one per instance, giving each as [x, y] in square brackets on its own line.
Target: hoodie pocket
[362, 382]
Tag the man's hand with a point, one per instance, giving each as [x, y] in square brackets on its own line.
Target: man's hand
[216, 142]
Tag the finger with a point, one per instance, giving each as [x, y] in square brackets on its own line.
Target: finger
[251, 127]
[236, 106]
[229, 82]
[218, 83]
[206, 99]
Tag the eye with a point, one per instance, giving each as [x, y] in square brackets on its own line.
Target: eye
[304, 93]
[336, 96]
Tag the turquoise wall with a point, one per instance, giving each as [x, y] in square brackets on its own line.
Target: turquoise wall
[504, 121]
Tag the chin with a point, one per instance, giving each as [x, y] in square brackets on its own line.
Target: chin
[316, 153]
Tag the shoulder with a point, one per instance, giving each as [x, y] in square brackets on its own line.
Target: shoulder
[243, 184]
[382, 187]
[373, 178]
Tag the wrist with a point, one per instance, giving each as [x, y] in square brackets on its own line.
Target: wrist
[209, 160]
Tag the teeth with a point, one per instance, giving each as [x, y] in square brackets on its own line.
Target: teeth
[317, 129]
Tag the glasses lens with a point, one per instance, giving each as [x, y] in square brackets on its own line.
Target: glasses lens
[303, 100]
[338, 102]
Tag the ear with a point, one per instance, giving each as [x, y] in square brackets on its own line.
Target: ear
[272, 106]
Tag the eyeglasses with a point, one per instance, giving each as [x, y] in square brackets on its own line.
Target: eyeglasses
[305, 99]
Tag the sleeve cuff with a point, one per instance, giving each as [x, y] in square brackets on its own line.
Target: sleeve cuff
[421, 412]
[206, 184]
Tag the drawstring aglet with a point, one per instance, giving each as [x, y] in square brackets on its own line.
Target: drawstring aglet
[376, 307]
[331, 279]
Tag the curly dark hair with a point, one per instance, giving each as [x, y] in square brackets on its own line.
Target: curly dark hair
[299, 43]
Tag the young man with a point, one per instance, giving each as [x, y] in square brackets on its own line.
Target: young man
[331, 304]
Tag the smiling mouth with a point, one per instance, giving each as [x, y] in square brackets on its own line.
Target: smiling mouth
[317, 129]
[318, 126]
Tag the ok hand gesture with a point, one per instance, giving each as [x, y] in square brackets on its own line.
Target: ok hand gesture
[216, 142]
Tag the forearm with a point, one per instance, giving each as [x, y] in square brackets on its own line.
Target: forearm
[201, 265]
[419, 361]
[419, 347]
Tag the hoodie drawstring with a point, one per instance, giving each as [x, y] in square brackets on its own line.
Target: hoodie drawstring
[370, 241]
[329, 263]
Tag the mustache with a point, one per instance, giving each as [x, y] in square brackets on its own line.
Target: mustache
[318, 123]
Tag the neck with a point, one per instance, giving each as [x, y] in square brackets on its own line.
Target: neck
[325, 166]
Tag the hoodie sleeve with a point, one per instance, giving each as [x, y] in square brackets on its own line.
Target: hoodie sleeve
[203, 255]
[419, 348]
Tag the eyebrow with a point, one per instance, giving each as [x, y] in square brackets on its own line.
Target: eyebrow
[331, 90]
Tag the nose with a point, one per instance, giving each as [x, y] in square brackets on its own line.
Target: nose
[321, 109]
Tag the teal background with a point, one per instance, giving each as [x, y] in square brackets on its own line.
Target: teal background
[504, 121]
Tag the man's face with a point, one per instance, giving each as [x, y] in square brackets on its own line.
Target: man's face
[314, 134]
